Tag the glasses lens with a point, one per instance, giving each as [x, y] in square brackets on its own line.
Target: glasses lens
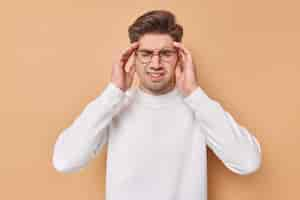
[144, 56]
[164, 55]
[167, 55]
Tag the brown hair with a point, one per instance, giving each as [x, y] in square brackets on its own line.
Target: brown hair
[155, 21]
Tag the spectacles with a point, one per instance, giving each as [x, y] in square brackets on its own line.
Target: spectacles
[165, 55]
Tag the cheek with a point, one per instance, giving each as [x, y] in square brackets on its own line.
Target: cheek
[172, 68]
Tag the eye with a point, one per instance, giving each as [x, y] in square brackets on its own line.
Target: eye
[145, 53]
[167, 53]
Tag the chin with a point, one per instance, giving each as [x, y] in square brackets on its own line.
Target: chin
[157, 86]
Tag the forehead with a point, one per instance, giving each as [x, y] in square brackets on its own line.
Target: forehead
[153, 41]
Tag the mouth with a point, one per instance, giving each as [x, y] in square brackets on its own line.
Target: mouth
[155, 76]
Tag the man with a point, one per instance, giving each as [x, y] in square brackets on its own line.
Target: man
[156, 133]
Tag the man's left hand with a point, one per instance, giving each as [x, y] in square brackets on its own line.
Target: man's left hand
[186, 72]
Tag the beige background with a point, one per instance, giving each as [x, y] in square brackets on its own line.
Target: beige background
[56, 56]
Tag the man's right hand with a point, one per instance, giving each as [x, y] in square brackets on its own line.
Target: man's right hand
[119, 76]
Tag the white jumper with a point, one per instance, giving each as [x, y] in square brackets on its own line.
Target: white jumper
[157, 145]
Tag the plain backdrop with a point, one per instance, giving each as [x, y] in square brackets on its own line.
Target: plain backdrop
[56, 56]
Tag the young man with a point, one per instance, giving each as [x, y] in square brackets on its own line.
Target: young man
[157, 133]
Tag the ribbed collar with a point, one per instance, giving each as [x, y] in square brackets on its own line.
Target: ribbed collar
[157, 101]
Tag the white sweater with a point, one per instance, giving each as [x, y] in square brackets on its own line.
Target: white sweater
[156, 144]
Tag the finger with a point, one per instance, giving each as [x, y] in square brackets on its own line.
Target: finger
[127, 52]
[130, 48]
[183, 58]
[131, 70]
[178, 72]
[125, 56]
[182, 48]
[180, 65]
[130, 74]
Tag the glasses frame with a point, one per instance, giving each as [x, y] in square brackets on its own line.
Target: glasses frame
[153, 53]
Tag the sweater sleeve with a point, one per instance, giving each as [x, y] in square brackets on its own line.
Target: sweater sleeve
[233, 144]
[83, 139]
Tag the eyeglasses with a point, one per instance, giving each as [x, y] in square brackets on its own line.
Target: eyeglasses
[165, 55]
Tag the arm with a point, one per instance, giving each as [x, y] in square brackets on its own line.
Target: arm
[80, 142]
[233, 144]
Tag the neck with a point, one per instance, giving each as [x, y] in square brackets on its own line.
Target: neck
[168, 97]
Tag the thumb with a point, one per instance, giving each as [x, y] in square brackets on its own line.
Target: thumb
[177, 72]
[131, 71]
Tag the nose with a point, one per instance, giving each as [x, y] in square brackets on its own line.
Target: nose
[155, 62]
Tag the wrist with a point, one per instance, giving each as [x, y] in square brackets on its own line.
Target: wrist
[118, 85]
[191, 90]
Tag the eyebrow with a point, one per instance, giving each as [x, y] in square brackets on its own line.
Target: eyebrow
[149, 50]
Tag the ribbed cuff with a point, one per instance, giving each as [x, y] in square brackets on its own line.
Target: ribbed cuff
[113, 91]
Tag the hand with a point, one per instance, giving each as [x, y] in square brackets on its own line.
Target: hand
[186, 73]
[119, 76]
